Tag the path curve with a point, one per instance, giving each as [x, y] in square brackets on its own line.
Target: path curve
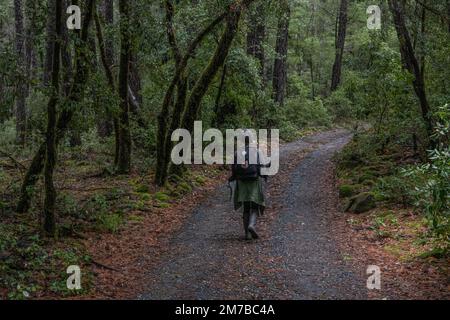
[296, 257]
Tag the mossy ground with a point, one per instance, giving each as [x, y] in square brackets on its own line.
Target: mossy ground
[400, 226]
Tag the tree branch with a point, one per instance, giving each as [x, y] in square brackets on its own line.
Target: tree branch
[10, 157]
[433, 10]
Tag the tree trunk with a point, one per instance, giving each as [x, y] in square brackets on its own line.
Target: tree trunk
[124, 157]
[31, 29]
[220, 116]
[448, 15]
[106, 130]
[105, 126]
[312, 77]
[255, 37]
[423, 30]
[208, 74]
[135, 84]
[281, 49]
[66, 56]
[66, 115]
[106, 48]
[340, 43]
[66, 59]
[50, 30]
[180, 66]
[109, 122]
[108, 12]
[176, 121]
[20, 109]
[411, 63]
[107, 65]
[200, 88]
[49, 225]
[192, 107]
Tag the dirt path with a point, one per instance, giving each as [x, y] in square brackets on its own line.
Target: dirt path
[295, 258]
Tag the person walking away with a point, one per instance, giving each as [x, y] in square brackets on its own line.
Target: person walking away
[248, 189]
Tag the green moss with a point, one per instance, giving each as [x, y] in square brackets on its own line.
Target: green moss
[145, 197]
[174, 178]
[394, 249]
[162, 196]
[110, 222]
[368, 176]
[200, 180]
[136, 218]
[184, 187]
[346, 191]
[138, 205]
[361, 203]
[142, 188]
[160, 204]
[438, 253]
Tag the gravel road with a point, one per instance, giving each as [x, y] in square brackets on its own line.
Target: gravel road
[295, 258]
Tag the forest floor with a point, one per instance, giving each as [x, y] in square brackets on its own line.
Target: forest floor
[186, 242]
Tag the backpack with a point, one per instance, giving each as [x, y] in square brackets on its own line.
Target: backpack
[246, 172]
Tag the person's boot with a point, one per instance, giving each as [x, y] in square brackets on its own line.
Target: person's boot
[246, 219]
[252, 224]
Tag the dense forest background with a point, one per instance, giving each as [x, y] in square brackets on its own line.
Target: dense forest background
[84, 109]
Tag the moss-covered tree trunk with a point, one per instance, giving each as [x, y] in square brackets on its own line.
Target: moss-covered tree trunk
[175, 124]
[256, 35]
[66, 56]
[105, 124]
[341, 33]
[109, 56]
[180, 67]
[50, 35]
[68, 110]
[20, 108]
[107, 66]
[163, 117]
[135, 82]
[210, 71]
[49, 224]
[411, 62]
[124, 157]
[220, 116]
[448, 15]
[31, 27]
[201, 86]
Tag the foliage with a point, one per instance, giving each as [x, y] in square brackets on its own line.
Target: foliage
[433, 194]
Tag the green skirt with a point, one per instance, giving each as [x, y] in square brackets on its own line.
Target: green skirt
[249, 191]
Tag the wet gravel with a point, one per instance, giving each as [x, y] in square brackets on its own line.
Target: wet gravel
[295, 258]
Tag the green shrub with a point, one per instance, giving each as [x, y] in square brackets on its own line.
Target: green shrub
[289, 132]
[161, 196]
[110, 222]
[67, 205]
[432, 192]
[200, 180]
[142, 188]
[7, 133]
[339, 105]
[184, 187]
[307, 113]
[346, 191]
